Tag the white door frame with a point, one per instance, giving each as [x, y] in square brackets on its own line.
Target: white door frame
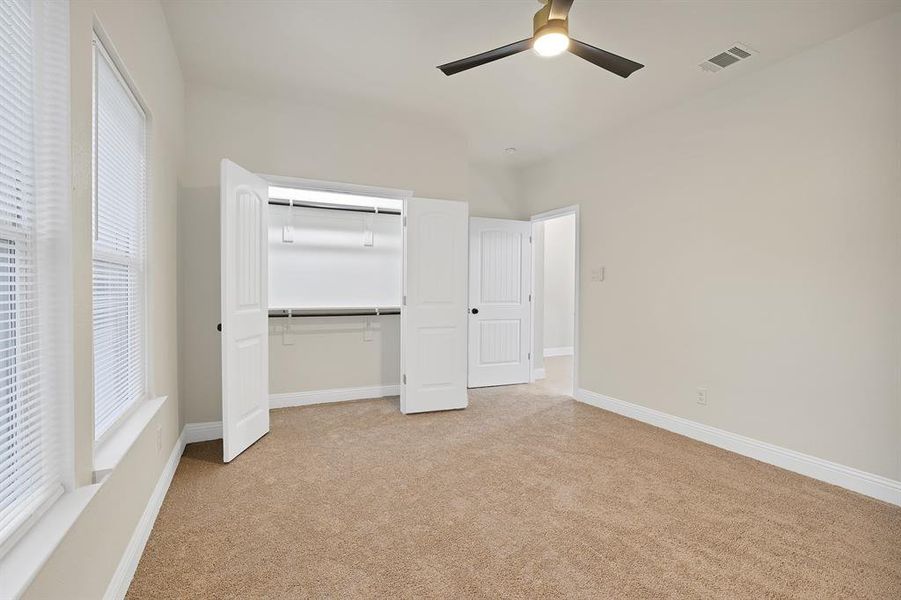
[577, 320]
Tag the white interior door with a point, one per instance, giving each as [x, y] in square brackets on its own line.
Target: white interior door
[433, 316]
[499, 301]
[245, 309]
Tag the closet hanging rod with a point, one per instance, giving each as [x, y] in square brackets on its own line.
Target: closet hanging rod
[362, 209]
[350, 312]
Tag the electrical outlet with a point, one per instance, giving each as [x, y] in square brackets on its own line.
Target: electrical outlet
[287, 336]
[598, 273]
[159, 439]
[702, 396]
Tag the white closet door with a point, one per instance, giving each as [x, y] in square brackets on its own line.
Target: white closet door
[245, 309]
[499, 320]
[433, 318]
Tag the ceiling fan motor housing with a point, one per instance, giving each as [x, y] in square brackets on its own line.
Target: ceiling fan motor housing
[552, 26]
[542, 24]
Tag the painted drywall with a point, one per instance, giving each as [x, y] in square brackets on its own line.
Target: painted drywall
[751, 244]
[537, 298]
[559, 282]
[81, 567]
[359, 359]
[327, 261]
[278, 136]
[327, 264]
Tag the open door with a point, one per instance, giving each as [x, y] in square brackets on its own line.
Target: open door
[245, 309]
[433, 315]
[500, 263]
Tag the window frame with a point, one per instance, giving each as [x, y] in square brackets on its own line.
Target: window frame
[39, 278]
[103, 48]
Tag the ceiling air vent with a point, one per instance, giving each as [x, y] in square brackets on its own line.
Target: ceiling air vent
[736, 53]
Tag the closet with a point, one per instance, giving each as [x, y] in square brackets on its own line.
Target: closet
[301, 257]
[335, 291]
[331, 254]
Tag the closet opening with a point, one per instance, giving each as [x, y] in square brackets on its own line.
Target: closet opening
[335, 295]
[332, 293]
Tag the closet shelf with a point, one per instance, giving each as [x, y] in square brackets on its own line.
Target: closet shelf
[334, 312]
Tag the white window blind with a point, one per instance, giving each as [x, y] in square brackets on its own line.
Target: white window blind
[33, 268]
[119, 246]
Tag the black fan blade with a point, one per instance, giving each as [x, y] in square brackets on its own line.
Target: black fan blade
[606, 60]
[486, 57]
[559, 9]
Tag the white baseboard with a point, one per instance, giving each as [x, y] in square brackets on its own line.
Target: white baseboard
[202, 432]
[869, 484]
[212, 430]
[335, 395]
[561, 351]
[128, 564]
[538, 374]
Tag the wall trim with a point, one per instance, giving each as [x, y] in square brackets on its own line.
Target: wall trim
[538, 374]
[868, 484]
[559, 351]
[212, 430]
[333, 395]
[128, 564]
[202, 432]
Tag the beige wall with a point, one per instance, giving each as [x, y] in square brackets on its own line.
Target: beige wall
[559, 284]
[537, 296]
[361, 145]
[85, 561]
[331, 353]
[751, 239]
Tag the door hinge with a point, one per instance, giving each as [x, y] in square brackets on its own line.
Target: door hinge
[530, 356]
[530, 297]
[530, 239]
[405, 379]
[405, 220]
[404, 300]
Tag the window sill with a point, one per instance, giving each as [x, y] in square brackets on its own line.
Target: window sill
[108, 453]
[25, 559]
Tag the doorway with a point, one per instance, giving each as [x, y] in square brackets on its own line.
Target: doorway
[555, 319]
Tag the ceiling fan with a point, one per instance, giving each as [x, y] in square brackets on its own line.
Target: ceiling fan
[550, 38]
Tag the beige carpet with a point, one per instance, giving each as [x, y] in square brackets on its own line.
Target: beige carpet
[523, 494]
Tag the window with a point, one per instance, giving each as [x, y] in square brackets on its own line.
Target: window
[120, 205]
[34, 151]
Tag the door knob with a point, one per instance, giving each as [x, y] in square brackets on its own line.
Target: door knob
[475, 311]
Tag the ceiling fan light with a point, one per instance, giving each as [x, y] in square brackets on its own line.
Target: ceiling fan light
[551, 37]
[551, 43]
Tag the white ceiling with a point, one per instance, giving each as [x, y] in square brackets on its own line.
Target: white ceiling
[383, 53]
